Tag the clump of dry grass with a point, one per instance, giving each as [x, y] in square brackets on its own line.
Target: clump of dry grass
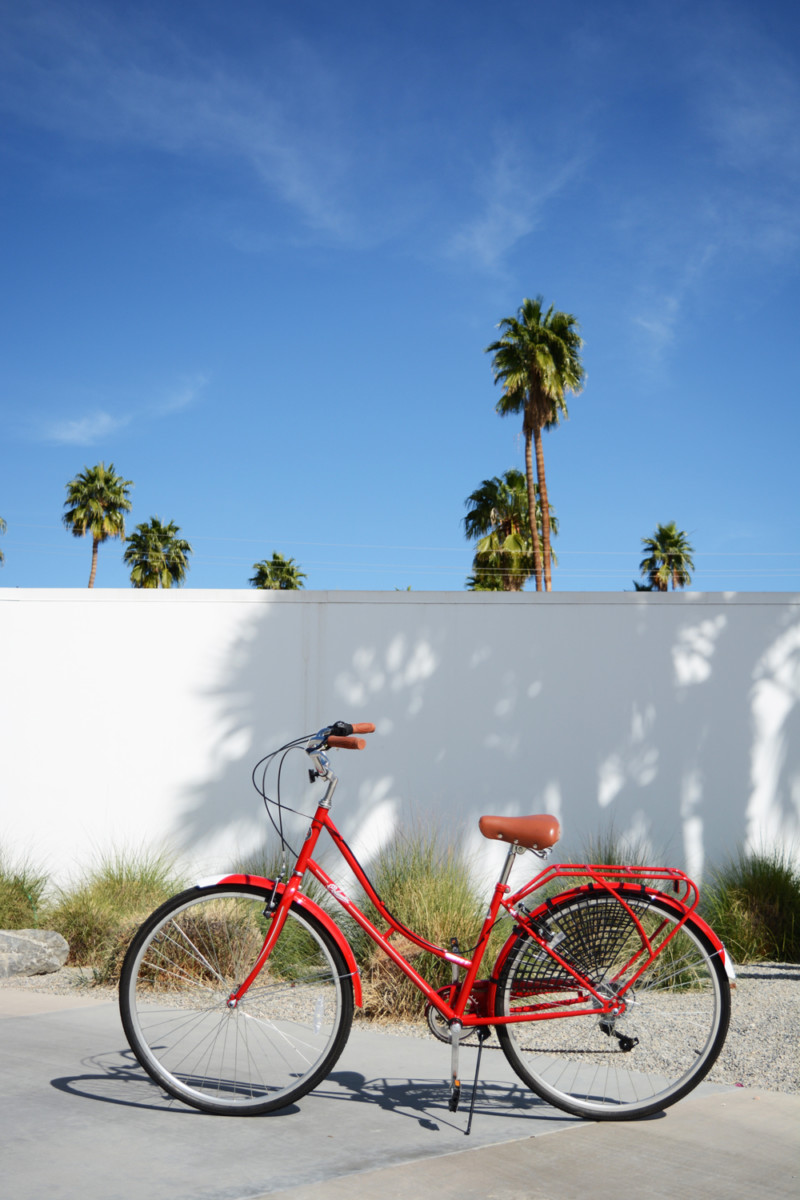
[753, 904]
[427, 885]
[609, 848]
[22, 889]
[99, 915]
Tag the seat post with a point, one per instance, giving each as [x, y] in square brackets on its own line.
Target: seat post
[513, 851]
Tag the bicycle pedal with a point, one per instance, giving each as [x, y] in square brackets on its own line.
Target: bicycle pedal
[455, 1096]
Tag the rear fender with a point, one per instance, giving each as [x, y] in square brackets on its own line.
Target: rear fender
[310, 907]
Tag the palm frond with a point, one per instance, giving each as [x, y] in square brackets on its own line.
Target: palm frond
[668, 558]
[156, 555]
[277, 574]
[498, 520]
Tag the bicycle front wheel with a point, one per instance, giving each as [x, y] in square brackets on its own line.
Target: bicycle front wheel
[283, 1037]
[623, 1066]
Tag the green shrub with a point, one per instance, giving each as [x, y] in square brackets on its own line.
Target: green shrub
[753, 904]
[21, 892]
[99, 915]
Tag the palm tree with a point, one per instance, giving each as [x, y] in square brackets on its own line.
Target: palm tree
[484, 580]
[669, 559]
[156, 555]
[498, 519]
[537, 359]
[277, 574]
[3, 528]
[96, 503]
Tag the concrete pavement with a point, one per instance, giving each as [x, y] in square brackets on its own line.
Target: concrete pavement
[79, 1116]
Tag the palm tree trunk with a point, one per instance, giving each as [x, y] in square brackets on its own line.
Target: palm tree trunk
[95, 544]
[545, 506]
[537, 549]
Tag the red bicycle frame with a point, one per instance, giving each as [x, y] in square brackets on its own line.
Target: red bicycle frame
[454, 1007]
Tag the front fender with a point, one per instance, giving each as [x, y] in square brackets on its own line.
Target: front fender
[310, 906]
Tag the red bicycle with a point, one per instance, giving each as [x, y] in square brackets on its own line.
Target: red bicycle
[610, 1000]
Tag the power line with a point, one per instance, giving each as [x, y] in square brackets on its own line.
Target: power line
[464, 548]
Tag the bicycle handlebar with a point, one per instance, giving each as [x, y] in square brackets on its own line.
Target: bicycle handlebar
[346, 743]
[343, 729]
[338, 736]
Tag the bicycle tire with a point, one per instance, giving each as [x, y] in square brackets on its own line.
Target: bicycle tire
[636, 1064]
[279, 1042]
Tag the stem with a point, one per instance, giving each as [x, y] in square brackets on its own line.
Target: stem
[537, 550]
[95, 544]
[543, 501]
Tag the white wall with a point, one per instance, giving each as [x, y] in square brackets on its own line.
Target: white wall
[135, 717]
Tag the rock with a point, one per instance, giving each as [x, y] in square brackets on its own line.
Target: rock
[31, 952]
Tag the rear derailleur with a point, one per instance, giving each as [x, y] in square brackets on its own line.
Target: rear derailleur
[625, 1043]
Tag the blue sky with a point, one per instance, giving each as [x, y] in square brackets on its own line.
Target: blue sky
[253, 253]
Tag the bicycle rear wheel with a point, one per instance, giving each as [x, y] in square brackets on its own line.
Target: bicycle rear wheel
[279, 1042]
[614, 1067]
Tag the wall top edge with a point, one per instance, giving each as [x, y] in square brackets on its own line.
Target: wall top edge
[242, 596]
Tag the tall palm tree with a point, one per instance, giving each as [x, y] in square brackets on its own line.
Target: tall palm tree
[668, 559]
[96, 503]
[498, 519]
[537, 360]
[3, 528]
[158, 558]
[484, 580]
[277, 574]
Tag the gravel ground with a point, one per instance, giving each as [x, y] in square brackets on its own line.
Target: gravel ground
[761, 1050]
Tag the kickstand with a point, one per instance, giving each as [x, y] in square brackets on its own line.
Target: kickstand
[483, 1034]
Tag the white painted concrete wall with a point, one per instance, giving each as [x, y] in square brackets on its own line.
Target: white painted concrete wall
[131, 718]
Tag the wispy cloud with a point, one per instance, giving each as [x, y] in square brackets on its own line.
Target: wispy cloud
[660, 312]
[95, 80]
[744, 91]
[749, 98]
[186, 393]
[83, 431]
[658, 322]
[701, 157]
[350, 169]
[511, 207]
[97, 425]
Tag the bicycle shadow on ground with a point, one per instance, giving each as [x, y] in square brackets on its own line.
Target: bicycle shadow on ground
[771, 971]
[427, 1101]
[115, 1077]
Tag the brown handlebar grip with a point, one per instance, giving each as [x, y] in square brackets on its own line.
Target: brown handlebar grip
[346, 743]
[364, 727]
